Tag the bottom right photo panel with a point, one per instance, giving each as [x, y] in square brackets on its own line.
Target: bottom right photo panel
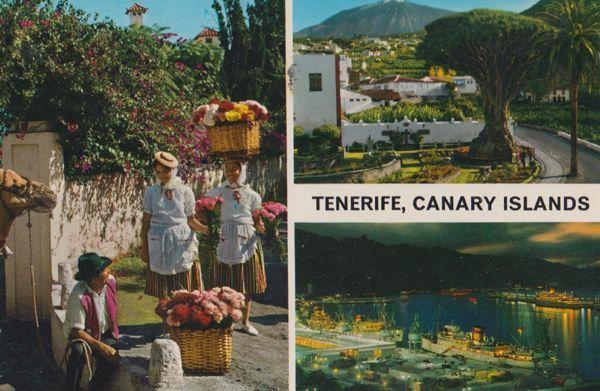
[447, 306]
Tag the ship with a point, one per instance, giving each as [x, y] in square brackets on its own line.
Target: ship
[380, 329]
[554, 299]
[457, 292]
[451, 341]
[320, 320]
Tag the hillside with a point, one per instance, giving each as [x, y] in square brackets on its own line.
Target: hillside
[362, 266]
[387, 17]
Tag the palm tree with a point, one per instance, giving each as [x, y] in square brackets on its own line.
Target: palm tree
[573, 41]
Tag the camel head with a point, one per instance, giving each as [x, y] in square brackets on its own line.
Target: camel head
[19, 194]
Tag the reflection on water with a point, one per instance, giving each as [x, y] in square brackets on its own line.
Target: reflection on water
[575, 333]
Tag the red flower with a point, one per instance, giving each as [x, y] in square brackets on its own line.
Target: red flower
[225, 105]
[201, 318]
[181, 313]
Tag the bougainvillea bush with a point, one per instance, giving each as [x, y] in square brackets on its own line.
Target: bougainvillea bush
[115, 95]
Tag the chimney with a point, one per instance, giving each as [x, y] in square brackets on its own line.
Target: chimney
[136, 14]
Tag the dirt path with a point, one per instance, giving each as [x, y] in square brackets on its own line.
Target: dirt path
[259, 363]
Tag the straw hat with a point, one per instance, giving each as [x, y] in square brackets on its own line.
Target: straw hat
[166, 159]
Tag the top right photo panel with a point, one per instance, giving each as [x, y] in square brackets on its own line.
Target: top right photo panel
[438, 91]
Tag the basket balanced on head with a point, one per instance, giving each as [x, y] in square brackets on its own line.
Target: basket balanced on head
[201, 323]
[233, 127]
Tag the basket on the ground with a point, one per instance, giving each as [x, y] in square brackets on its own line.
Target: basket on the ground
[204, 350]
[237, 138]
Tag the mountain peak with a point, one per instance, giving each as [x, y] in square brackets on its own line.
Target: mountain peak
[382, 18]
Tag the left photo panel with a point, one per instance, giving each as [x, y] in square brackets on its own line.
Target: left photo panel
[143, 189]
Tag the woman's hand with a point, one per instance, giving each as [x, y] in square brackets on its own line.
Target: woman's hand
[259, 225]
[108, 352]
[197, 226]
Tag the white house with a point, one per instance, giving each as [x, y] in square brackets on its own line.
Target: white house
[208, 36]
[561, 94]
[353, 102]
[345, 68]
[409, 88]
[465, 84]
[316, 89]
[136, 14]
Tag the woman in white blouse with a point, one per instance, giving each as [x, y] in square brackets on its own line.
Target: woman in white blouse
[240, 262]
[169, 226]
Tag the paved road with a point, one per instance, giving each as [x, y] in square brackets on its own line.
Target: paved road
[555, 156]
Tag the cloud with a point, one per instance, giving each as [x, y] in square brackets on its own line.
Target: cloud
[486, 248]
[566, 232]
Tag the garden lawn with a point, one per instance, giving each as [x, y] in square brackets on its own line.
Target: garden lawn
[467, 175]
[135, 308]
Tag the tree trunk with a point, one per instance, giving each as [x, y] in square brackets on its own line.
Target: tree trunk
[574, 91]
[494, 143]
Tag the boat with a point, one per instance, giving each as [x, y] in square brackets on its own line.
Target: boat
[320, 320]
[474, 345]
[554, 299]
[457, 292]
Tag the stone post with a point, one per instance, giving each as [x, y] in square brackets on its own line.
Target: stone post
[37, 156]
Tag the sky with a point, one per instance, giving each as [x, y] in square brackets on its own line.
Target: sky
[307, 13]
[183, 17]
[576, 244]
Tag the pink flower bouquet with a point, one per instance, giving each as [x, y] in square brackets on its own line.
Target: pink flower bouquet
[272, 214]
[215, 308]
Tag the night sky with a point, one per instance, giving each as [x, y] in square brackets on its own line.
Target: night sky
[575, 244]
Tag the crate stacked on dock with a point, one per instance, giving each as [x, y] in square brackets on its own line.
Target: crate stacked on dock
[233, 127]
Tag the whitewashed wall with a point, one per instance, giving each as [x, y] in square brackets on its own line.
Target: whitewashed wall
[439, 132]
[101, 214]
[353, 102]
[314, 108]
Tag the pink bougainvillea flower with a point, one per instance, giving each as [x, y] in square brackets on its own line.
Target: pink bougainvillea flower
[26, 23]
[72, 127]
[180, 66]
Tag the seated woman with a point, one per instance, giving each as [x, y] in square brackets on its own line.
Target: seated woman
[91, 321]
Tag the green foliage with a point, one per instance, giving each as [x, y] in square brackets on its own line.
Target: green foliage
[459, 108]
[558, 117]
[298, 130]
[327, 133]
[114, 95]
[129, 266]
[316, 380]
[572, 43]
[254, 60]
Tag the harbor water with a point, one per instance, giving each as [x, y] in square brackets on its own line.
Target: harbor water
[575, 334]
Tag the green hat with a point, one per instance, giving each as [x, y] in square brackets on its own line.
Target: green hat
[90, 265]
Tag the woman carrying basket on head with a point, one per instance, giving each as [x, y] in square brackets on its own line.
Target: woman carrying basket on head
[169, 226]
[240, 262]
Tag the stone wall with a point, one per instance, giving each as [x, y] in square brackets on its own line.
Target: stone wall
[102, 213]
[370, 175]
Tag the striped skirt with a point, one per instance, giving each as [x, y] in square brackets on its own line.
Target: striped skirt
[248, 278]
[159, 285]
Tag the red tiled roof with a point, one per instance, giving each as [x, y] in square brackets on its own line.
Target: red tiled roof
[378, 95]
[400, 79]
[136, 8]
[208, 32]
